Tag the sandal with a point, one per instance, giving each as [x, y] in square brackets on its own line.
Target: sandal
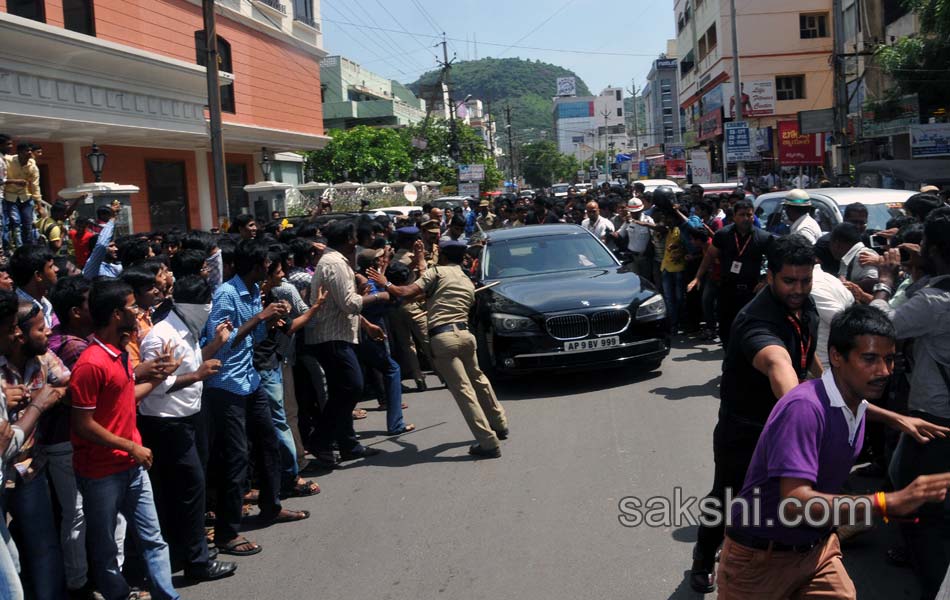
[247, 510]
[406, 429]
[303, 488]
[252, 497]
[288, 516]
[359, 413]
[233, 546]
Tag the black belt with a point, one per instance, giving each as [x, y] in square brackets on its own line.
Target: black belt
[757, 543]
[447, 327]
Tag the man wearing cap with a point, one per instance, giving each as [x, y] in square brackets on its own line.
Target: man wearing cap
[407, 322]
[637, 229]
[798, 208]
[431, 231]
[449, 297]
[486, 219]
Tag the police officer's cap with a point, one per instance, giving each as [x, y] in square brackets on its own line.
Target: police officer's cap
[431, 225]
[454, 250]
[407, 231]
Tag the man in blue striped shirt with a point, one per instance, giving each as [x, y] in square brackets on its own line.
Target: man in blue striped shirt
[237, 404]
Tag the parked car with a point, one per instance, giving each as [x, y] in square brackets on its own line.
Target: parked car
[882, 204]
[582, 188]
[652, 184]
[447, 203]
[562, 301]
[559, 190]
[400, 211]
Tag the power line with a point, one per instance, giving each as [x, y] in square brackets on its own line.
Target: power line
[431, 36]
[364, 46]
[438, 28]
[539, 26]
[395, 45]
[401, 26]
[374, 39]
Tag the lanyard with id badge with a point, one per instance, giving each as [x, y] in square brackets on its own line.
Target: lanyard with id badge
[736, 266]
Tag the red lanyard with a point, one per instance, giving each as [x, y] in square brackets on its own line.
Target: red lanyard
[744, 246]
[805, 345]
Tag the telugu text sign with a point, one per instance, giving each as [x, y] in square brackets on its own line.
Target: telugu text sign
[796, 149]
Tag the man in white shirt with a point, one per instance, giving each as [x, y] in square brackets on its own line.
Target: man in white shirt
[637, 229]
[847, 247]
[798, 207]
[831, 297]
[801, 181]
[595, 223]
[168, 422]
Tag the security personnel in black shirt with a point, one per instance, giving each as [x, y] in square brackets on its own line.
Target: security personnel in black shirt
[772, 351]
[740, 248]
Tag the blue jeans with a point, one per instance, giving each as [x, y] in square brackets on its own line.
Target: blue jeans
[128, 492]
[17, 223]
[31, 511]
[10, 586]
[375, 355]
[272, 383]
[674, 292]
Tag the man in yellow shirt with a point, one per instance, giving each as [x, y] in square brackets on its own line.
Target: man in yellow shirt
[21, 194]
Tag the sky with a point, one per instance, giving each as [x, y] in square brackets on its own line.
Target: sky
[605, 43]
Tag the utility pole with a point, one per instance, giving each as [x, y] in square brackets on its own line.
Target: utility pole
[606, 114]
[841, 91]
[736, 89]
[446, 68]
[511, 146]
[636, 116]
[214, 110]
[491, 129]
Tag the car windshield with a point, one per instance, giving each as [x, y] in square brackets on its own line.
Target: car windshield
[560, 189]
[547, 254]
[880, 214]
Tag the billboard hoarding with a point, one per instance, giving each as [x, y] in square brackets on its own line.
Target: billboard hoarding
[758, 98]
[468, 189]
[796, 149]
[472, 172]
[930, 140]
[739, 143]
[816, 121]
[566, 86]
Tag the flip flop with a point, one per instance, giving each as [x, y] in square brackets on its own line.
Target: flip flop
[232, 547]
[303, 488]
[288, 516]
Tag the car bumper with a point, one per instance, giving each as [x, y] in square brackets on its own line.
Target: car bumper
[632, 353]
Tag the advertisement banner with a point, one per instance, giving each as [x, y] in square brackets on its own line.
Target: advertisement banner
[930, 140]
[710, 125]
[468, 189]
[702, 171]
[739, 143]
[474, 172]
[762, 140]
[795, 149]
[676, 167]
[575, 110]
[758, 98]
[566, 86]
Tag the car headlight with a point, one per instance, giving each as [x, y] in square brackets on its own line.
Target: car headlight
[505, 323]
[652, 309]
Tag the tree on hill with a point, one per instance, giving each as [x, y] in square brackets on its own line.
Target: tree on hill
[542, 165]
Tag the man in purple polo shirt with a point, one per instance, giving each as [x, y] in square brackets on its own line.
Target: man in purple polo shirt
[801, 462]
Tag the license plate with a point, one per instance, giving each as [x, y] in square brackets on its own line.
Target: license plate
[588, 345]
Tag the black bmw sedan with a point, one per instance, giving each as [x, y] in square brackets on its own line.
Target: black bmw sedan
[559, 300]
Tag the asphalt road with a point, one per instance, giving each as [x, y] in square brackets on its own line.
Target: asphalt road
[426, 521]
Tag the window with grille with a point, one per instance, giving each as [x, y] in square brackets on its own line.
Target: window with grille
[790, 87]
[813, 26]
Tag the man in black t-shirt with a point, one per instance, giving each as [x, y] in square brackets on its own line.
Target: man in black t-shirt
[740, 248]
[542, 213]
[772, 350]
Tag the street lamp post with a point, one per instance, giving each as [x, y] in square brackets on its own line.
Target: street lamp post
[97, 160]
[265, 164]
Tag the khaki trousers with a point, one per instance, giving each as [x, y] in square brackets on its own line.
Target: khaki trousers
[746, 573]
[407, 325]
[453, 353]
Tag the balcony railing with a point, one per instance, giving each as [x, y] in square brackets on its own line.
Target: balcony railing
[306, 20]
[275, 4]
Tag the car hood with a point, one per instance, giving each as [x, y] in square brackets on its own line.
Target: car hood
[568, 290]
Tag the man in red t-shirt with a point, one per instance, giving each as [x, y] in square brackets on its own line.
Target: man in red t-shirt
[109, 459]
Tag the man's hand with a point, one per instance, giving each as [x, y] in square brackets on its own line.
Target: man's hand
[208, 368]
[866, 259]
[375, 332]
[322, 295]
[6, 434]
[142, 455]
[921, 430]
[17, 396]
[376, 276]
[860, 296]
[275, 310]
[223, 331]
[926, 488]
[46, 397]
[694, 284]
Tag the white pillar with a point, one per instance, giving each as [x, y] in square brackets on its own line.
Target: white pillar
[205, 206]
[72, 163]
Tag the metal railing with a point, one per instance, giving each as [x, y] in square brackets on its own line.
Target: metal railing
[276, 5]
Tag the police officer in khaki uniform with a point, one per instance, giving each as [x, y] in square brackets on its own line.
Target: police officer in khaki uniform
[449, 296]
[431, 231]
[486, 219]
[408, 322]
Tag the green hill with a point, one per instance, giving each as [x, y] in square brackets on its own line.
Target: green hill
[526, 85]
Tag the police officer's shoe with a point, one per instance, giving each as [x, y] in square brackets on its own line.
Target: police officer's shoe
[480, 452]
